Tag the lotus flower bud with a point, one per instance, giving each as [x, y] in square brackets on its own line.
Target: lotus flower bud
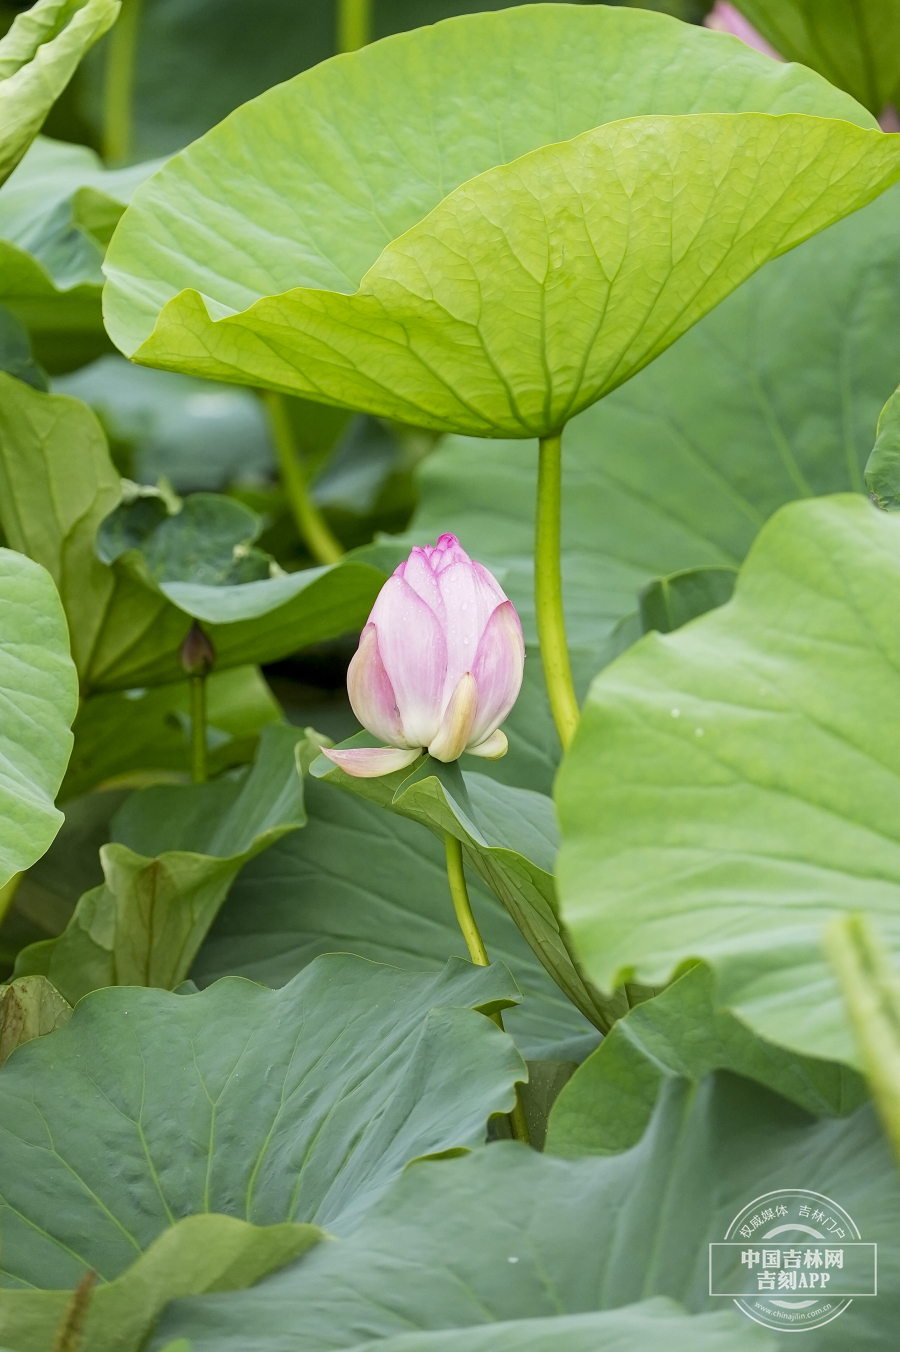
[197, 653]
[439, 664]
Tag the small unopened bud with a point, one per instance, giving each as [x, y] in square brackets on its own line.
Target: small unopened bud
[197, 653]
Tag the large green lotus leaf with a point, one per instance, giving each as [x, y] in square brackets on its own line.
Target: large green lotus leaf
[853, 45]
[57, 484]
[540, 286]
[456, 99]
[773, 396]
[509, 838]
[38, 57]
[197, 1254]
[606, 1105]
[360, 880]
[175, 852]
[128, 735]
[587, 1234]
[40, 696]
[729, 789]
[300, 1104]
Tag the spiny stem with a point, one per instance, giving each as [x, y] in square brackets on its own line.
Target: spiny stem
[548, 600]
[456, 876]
[354, 24]
[198, 729]
[118, 94]
[311, 524]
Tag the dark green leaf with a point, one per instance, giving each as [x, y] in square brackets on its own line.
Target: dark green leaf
[16, 356]
[294, 1105]
[360, 880]
[607, 1104]
[669, 602]
[591, 1234]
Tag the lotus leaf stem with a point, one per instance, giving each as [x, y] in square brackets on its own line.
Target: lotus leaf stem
[548, 597]
[478, 953]
[198, 729]
[354, 24]
[314, 532]
[118, 94]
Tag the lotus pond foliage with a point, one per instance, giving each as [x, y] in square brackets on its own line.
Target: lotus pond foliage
[449, 582]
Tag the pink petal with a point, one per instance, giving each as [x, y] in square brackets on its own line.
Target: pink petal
[369, 762]
[469, 603]
[498, 669]
[420, 576]
[446, 552]
[414, 652]
[371, 693]
[493, 748]
[456, 727]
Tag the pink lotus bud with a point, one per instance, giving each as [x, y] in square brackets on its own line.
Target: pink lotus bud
[439, 664]
[726, 19]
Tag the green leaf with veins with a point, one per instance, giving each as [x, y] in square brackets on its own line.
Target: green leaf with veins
[311, 894]
[540, 286]
[587, 1235]
[509, 839]
[606, 1105]
[56, 214]
[853, 45]
[129, 735]
[774, 395]
[38, 57]
[197, 1254]
[57, 484]
[431, 111]
[16, 356]
[39, 690]
[175, 852]
[300, 1104]
[730, 790]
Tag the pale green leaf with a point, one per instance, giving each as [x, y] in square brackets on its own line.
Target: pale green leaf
[39, 691]
[175, 852]
[586, 1235]
[197, 1254]
[38, 57]
[853, 45]
[301, 1104]
[730, 787]
[360, 880]
[540, 286]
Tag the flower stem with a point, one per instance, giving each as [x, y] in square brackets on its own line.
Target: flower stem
[311, 524]
[548, 599]
[198, 729]
[478, 953]
[354, 24]
[118, 94]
